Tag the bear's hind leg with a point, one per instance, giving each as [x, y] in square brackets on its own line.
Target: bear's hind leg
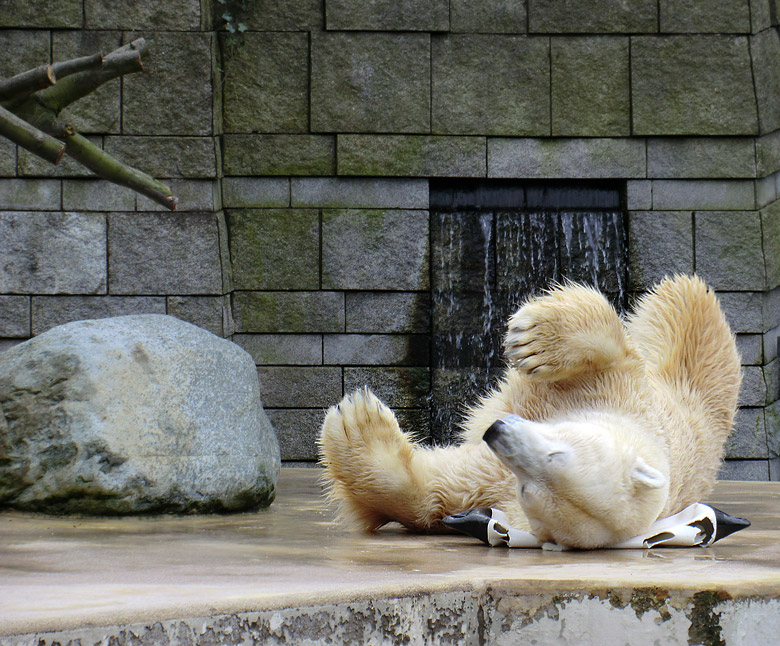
[569, 331]
[369, 463]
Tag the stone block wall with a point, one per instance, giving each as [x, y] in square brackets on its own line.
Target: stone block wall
[303, 148]
[74, 246]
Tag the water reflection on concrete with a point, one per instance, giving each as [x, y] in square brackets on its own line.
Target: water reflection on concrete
[63, 572]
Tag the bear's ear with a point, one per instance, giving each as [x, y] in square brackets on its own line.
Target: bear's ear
[643, 474]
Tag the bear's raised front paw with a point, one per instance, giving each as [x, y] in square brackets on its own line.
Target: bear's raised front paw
[532, 342]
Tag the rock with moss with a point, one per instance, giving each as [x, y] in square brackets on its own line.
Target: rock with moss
[133, 414]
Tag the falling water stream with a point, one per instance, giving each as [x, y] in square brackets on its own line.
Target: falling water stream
[494, 244]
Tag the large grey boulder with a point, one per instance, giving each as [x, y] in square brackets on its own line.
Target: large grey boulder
[133, 414]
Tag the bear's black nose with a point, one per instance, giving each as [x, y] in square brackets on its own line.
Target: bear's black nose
[493, 430]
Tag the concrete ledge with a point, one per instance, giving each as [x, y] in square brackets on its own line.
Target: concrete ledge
[291, 575]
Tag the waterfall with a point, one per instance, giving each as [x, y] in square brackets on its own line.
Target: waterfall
[491, 249]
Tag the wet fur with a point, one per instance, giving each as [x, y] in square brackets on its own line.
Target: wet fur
[671, 369]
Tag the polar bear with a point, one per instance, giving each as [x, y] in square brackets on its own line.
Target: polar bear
[599, 426]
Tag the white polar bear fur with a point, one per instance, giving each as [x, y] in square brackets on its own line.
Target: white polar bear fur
[637, 413]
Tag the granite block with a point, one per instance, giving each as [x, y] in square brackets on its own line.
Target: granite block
[728, 250]
[53, 253]
[768, 154]
[772, 423]
[369, 193]
[244, 192]
[384, 312]
[591, 92]
[387, 15]
[703, 194]
[370, 82]
[771, 343]
[743, 310]
[411, 155]
[558, 158]
[272, 15]
[50, 311]
[299, 387]
[14, 316]
[765, 50]
[274, 248]
[96, 195]
[766, 190]
[639, 195]
[296, 430]
[704, 16]
[692, 85]
[30, 165]
[40, 13]
[771, 373]
[755, 470]
[750, 348]
[375, 249]
[488, 16]
[761, 15]
[701, 157]
[770, 231]
[267, 83]
[39, 194]
[514, 71]
[8, 158]
[753, 391]
[164, 253]
[178, 60]
[299, 312]
[376, 349]
[279, 154]
[660, 244]
[166, 157]
[171, 15]
[748, 438]
[592, 16]
[23, 49]
[208, 312]
[282, 349]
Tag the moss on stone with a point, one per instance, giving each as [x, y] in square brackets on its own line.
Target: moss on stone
[705, 626]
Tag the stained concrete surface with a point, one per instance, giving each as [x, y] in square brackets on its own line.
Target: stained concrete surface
[292, 575]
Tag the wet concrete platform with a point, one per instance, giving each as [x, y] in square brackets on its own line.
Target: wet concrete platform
[290, 575]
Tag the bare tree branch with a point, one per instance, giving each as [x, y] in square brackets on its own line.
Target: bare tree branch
[99, 161]
[27, 82]
[30, 116]
[78, 85]
[29, 137]
[66, 68]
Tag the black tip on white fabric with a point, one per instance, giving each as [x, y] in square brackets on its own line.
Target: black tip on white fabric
[473, 522]
[727, 524]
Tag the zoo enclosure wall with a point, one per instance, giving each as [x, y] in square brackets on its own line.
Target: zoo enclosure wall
[304, 147]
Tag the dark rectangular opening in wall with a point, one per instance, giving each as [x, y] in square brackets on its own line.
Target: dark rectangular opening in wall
[495, 243]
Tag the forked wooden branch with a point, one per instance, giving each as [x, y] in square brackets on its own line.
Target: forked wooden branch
[30, 137]
[27, 82]
[31, 102]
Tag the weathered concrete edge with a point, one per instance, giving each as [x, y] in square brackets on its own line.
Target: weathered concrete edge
[461, 611]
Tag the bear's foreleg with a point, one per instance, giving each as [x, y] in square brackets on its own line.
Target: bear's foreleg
[569, 331]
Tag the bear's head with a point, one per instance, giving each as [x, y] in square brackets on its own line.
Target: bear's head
[587, 482]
